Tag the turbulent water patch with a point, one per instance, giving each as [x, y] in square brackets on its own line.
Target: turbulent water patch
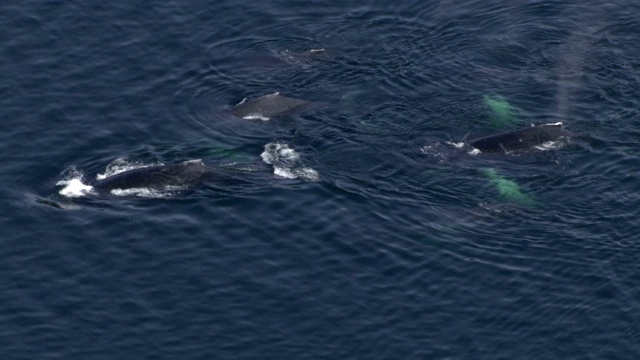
[287, 163]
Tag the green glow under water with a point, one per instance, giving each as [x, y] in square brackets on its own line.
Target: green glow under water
[509, 190]
[503, 113]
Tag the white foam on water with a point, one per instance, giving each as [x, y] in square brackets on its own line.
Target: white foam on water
[142, 192]
[256, 117]
[474, 151]
[457, 145]
[287, 163]
[306, 174]
[550, 145]
[74, 188]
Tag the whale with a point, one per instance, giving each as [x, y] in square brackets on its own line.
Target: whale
[301, 55]
[281, 59]
[535, 136]
[181, 175]
[268, 107]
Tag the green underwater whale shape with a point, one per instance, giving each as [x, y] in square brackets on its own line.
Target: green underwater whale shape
[509, 190]
[503, 114]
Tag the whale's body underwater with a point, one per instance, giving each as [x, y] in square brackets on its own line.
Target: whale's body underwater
[268, 107]
[159, 177]
[521, 139]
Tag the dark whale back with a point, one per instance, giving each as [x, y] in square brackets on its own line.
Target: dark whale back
[158, 177]
[521, 139]
[267, 107]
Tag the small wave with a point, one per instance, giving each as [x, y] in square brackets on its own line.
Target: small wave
[286, 162]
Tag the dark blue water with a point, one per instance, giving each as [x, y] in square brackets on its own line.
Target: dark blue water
[403, 248]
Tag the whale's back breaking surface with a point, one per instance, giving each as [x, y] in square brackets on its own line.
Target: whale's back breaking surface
[160, 177]
[521, 139]
[268, 107]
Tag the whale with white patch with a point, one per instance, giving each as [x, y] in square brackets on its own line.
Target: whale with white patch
[158, 177]
[535, 136]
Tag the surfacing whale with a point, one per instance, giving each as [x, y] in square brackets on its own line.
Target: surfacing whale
[159, 177]
[268, 107]
[279, 59]
[521, 139]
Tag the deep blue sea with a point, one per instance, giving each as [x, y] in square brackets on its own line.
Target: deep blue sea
[371, 235]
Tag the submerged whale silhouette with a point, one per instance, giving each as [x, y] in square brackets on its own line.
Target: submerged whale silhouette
[183, 175]
[521, 139]
[267, 107]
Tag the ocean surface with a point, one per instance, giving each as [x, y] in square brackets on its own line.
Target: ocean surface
[357, 228]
